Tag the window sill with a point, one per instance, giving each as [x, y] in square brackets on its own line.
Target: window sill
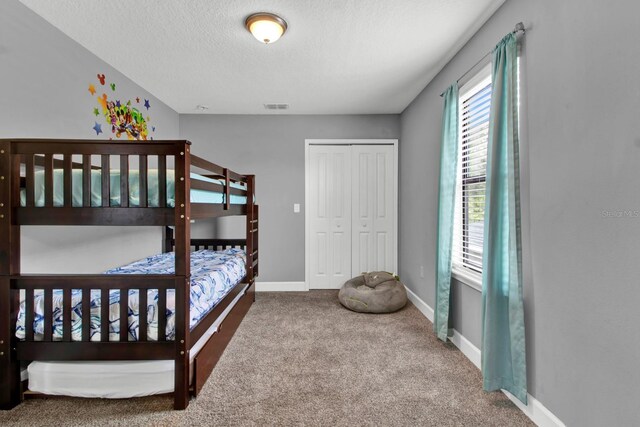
[467, 277]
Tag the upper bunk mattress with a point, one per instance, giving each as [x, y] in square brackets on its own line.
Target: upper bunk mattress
[213, 276]
[196, 196]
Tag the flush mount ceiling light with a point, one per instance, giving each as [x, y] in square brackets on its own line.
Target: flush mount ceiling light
[266, 27]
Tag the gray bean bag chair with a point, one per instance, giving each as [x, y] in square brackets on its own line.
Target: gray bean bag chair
[375, 292]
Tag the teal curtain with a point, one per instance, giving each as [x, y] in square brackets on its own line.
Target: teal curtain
[446, 204]
[503, 336]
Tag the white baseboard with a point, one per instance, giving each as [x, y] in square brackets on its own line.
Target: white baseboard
[535, 410]
[467, 348]
[420, 305]
[280, 286]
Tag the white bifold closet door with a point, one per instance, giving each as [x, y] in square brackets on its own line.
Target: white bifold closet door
[373, 209]
[351, 212]
[330, 208]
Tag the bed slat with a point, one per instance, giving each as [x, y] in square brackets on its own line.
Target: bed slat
[66, 315]
[162, 314]
[48, 180]
[28, 307]
[105, 175]
[124, 315]
[94, 147]
[95, 350]
[124, 181]
[67, 168]
[142, 315]
[142, 160]
[104, 315]
[197, 184]
[210, 210]
[48, 314]
[92, 216]
[86, 180]
[29, 175]
[162, 181]
[206, 165]
[86, 314]
[227, 186]
[98, 281]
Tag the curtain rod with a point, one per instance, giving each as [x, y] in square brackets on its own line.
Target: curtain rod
[519, 28]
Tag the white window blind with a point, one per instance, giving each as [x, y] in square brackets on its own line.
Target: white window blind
[475, 103]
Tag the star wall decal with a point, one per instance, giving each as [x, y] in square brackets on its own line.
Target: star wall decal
[146, 104]
[113, 86]
[98, 128]
[118, 103]
[92, 89]
[96, 112]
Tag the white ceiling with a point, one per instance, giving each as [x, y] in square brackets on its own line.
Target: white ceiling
[337, 57]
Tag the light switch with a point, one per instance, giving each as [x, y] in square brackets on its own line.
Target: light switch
[296, 208]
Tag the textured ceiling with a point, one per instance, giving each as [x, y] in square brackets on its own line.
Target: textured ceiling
[337, 57]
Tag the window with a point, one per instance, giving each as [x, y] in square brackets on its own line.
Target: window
[468, 237]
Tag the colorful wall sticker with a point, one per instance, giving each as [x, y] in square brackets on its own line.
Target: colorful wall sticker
[122, 118]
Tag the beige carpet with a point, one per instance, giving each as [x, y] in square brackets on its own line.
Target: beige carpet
[302, 359]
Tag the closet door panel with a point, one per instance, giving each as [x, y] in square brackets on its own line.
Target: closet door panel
[385, 208]
[373, 208]
[330, 208]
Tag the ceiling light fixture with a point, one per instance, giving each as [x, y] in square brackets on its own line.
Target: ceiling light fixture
[266, 27]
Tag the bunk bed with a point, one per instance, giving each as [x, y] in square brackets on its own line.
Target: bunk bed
[118, 183]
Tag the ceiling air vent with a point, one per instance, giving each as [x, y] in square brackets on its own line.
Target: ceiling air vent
[276, 106]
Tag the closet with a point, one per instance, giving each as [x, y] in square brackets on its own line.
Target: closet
[351, 210]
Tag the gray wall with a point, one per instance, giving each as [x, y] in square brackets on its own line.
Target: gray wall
[272, 148]
[44, 76]
[581, 151]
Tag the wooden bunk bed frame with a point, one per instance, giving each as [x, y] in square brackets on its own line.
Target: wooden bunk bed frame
[19, 158]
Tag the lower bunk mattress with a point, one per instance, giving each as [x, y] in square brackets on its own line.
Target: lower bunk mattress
[213, 276]
[114, 379]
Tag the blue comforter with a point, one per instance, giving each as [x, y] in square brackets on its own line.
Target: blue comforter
[213, 275]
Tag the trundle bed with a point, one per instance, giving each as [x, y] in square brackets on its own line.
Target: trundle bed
[182, 306]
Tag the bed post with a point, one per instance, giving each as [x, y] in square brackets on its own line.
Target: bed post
[9, 265]
[250, 226]
[183, 272]
[167, 239]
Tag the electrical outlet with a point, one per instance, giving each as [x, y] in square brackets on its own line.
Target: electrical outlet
[296, 208]
[422, 271]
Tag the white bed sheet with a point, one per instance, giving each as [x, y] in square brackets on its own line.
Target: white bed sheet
[114, 379]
